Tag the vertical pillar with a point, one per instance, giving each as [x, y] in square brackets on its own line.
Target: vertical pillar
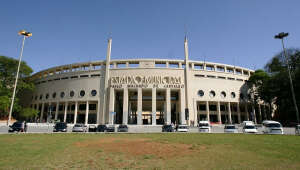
[254, 114]
[219, 113]
[182, 107]
[246, 111]
[229, 113]
[42, 112]
[98, 112]
[111, 105]
[153, 106]
[260, 114]
[265, 113]
[125, 106]
[139, 106]
[87, 113]
[168, 102]
[207, 111]
[65, 114]
[75, 112]
[239, 112]
[56, 111]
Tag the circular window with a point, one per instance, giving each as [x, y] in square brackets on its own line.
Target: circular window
[72, 93]
[82, 93]
[232, 95]
[212, 93]
[41, 96]
[93, 92]
[223, 94]
[53, 95]
[62, 94]
[47, 96]
[201, 93]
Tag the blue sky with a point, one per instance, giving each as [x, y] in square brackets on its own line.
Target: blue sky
[235, 32]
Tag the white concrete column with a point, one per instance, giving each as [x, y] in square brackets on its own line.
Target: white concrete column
[207, 111]
[219, 113]
[56, 111]
[229, 113]
[75, 112]
[111, 105]
[153, 106]
[238, 112]
[168, 107]
[182, 107]
[42, 112]
[246, 111]
[66, 109]
[87, 113]
[98, 113]
[139, 106]
[125, 106]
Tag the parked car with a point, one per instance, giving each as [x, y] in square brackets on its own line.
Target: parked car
[272, 127]
[297, 130]
[230, 129]
[123, 128]
[247, 123]
[60, 127]
[110, 128]
[79, 128]
[101, 128]
[204, 126]
[182, 128]
[92, 128]
[18, 127]
[167, 128]
[249, 129]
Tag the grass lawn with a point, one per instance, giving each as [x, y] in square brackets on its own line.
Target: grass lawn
[149, 151]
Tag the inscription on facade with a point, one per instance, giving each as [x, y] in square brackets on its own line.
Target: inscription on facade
[146, 81]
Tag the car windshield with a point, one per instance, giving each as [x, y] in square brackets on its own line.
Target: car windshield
[17, 124]
[122, 126]
[249, 127]
[60, 125]
[78, 125]
[229, 127]
[203, 124]
[273, 125]
[182, 127]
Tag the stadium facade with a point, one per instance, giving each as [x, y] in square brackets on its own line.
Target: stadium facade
[144, 92]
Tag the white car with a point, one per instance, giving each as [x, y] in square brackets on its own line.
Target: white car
[249, 129]
[272, 127]
[247, 123]
[182, 128]
[79, 128]
[230, 129]
[204, 127]
[297, 130]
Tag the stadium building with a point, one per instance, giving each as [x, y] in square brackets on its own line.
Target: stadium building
[144, 92]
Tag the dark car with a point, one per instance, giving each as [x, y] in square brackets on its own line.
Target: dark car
[110, 128]
[123, 128]
[92, 128]
[60, 127]
[101, 128]
[18, 127]
[167, 128]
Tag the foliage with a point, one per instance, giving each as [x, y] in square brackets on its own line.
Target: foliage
[274, 84]
[27, 113]
[8, 70]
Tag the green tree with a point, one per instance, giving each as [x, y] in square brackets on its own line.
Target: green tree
[8, 70]
[27, 113]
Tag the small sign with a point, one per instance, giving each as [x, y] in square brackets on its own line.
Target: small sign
[112, 113]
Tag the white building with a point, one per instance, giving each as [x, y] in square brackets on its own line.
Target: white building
[144, 91]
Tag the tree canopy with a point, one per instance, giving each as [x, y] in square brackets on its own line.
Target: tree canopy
[8, 70]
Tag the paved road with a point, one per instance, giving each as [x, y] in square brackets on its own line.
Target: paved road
[48, 128]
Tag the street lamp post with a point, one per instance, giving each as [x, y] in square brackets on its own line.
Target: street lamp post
[25, 34]
[281, 36]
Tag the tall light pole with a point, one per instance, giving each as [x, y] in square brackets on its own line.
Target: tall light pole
[24, 34]
[281, 36]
